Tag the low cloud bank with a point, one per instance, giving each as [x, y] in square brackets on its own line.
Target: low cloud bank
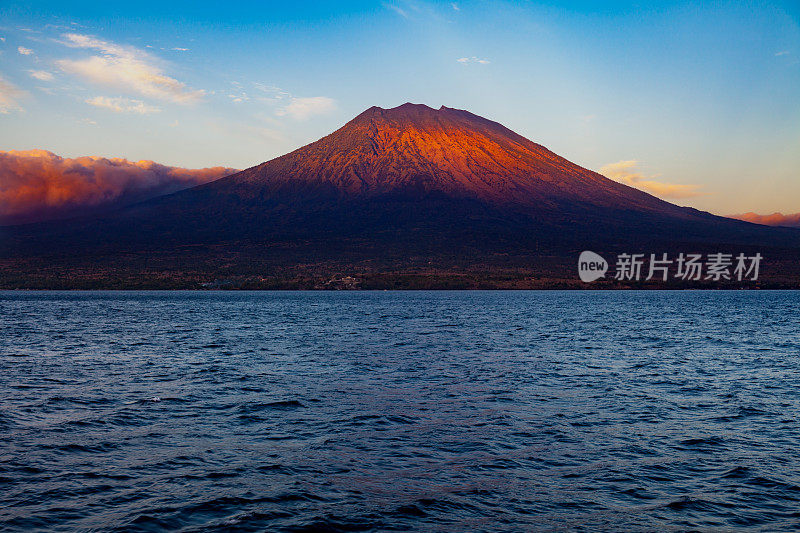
[37, 185]
[775, 219]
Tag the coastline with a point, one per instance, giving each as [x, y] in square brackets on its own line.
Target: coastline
[399, 282]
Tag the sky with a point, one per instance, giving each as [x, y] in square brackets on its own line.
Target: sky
[698, 103]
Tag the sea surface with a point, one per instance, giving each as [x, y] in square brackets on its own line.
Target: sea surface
[376, 411]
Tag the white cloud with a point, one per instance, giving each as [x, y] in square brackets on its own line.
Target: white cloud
[238, 95]
[125, 67]
[122, 105]
[41, 75]
[303, 108]
[10, 95]
[24, 51]
[782, 53]
[396, 9]
[180, 49]
[473, 59]
[274, 94]
[455, 6]
[627, 172]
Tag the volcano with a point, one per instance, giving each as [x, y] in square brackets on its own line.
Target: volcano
[407, 189]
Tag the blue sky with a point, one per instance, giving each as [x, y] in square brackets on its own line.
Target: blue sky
[697, 103]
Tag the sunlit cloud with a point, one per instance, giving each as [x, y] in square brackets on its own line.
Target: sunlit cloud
[127, 68]
[39, 185]
[41, 75]
[473, 59]
[627, 172]
[303, 108]
[10, 96]
[775, 219]
[24, 51]
[455, 6]
[782, 53]
[122, 105]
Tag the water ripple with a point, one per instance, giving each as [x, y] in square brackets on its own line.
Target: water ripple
[456, 411]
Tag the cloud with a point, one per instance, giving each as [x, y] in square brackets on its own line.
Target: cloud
[775, 219]
[39, 185]
[627, 173]
[180, 49]
[455, 6]
[396, 9]
[122, 105]
[125, 67]
[274, 94]
[10, 95]
[41, 75]
[24, 51]
[782, 53]
[303, 108]
[473, 59]
[237, 94]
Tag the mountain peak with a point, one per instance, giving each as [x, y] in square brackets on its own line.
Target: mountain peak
[407, 107]
[418, 150]
[405, 111]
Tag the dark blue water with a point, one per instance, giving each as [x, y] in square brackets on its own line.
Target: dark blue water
[445, 411]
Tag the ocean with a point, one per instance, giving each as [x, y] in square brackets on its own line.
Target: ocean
[376, 411]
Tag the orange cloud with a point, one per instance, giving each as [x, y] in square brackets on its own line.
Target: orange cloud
[626, 172]
[775, 219]
[38, 185]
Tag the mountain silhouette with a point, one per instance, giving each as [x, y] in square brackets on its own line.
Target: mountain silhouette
[398, 190]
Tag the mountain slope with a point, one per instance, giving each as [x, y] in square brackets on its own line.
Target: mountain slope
[413, 148]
